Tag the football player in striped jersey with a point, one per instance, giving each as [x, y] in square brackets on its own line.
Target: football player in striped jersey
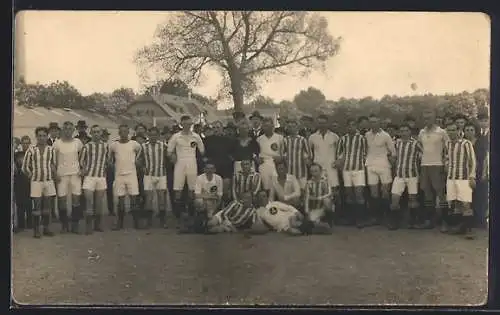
[93, 163]
[297, 153]
[461, 180]
[237, 216]
[40, 167]
[245, 180]
[317, 200]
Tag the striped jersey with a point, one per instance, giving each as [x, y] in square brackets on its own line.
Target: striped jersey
[153, 156]
[316, 192]
[461, 159]
[296, 149]
[94, 158]
[353, 149]
[408, 154]
[237, 214]
[243, 183]
[40, 163]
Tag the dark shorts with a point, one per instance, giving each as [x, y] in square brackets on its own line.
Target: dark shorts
[432, 179]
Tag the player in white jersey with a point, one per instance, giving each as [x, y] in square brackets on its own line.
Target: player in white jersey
[271, 148]
[124, 155]
[93, 162]
[153, 159]
[69, 182]
[181, 149]
[323, 144]
[278, 216]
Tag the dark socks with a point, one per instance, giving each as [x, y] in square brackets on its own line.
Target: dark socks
[63, 216]
[36, 226]
[45, 223]
[75, 219]
[97, 223]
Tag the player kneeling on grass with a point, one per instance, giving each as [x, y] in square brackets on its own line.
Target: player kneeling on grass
[39, 167]
[153, 158]
[93, 163]
[408, 154]
[460, 182]
[238, 215]
[208, 195]
[317, 201]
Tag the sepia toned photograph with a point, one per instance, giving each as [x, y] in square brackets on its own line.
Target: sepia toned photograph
[250, 158]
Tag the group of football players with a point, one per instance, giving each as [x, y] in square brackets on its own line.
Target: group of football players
[248, 175]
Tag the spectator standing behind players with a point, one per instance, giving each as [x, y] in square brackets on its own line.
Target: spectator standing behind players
[22, 188]
[93, 163]
[153, 158]
[110, 176]
[461, 180]
[285, 187]
[244, 148]
[69, 181]
[140, 138]
[323, 144]
[124, 155]
[54, 133]
[351, 153]
[432, 176]
[182, 151]
[81, 127]
[256, 120]
[380, 153]
[296, 153]
[270, 147]
[481, 148]
[39, 167]
[408, 155]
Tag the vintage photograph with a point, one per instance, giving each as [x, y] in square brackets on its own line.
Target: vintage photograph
[250, 158]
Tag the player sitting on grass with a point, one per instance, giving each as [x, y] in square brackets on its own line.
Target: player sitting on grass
[237, 216]
[317, 201]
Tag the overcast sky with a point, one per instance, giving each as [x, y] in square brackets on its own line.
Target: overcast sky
[382, 53]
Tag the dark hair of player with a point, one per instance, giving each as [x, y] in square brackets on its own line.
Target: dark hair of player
[140, 125]
[68, 123]
[185, 117]
[40, 129]
[154, 129]
[460, 116]
[122, 126]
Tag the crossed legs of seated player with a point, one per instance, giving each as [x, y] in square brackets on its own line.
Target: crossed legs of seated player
[69, 185]
[94, 190]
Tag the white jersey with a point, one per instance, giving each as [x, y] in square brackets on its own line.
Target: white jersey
[324, 148]
[205, 186]
[270, 147]
[125, 155]
[67, 156]
[277, 214]
[184, 145]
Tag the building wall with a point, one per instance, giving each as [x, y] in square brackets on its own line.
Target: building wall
[140, 109]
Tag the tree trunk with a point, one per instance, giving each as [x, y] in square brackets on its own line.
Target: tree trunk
[237, 92]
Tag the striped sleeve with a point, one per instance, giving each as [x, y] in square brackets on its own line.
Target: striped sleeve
[306, 197]
[234, 185]
[471, 159]
[306, 148]
[325, 190]
[340, 147]
[27, 165]
[83, 158]
[257, 182]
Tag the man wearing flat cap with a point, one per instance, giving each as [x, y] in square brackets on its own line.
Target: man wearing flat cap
[54, 131]
[81, 127]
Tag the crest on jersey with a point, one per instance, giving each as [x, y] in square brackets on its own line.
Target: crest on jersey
[273, 210]
[274, 147]
[193, 144]
[213, 189]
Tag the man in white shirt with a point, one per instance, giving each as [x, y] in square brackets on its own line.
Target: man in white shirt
[285, 187]
[271, 148]
[124, 155]
[323, 144]
[69, 182]
[181, 149]
[208, 194]
[433, 140]
[380, 155]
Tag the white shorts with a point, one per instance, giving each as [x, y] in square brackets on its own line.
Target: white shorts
[46, 189]
[331, 174]
[155, 182]
[315, 215]
[354, 178]
[94, 183]
[399, 184]
[69, 184]
[458, 190]
[185, 169]
[126, 185]
[376, 175]
[267, 171]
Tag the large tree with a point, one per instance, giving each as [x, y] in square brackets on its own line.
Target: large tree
[309, 100]
[243, 46]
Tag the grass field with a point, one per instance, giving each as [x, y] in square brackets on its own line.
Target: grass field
[371, 266]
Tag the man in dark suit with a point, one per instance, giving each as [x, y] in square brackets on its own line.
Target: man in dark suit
[110, 177]
[54, 131]
[256, 130]
[81, 127]
[482, 147]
